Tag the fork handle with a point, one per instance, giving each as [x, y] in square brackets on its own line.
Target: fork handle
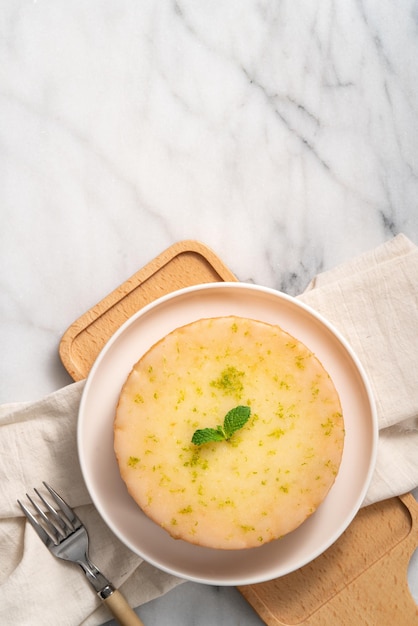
[121, 610]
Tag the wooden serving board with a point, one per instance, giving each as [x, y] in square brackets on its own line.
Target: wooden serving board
[362, 577]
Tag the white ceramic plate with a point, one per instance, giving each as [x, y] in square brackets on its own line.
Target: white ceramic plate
[100, 470]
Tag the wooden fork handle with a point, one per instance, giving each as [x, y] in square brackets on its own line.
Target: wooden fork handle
[121, 610]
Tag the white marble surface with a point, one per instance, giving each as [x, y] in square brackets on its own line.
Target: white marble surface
[284, 135]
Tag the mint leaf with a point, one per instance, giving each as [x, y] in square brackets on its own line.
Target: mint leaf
[234, 420]
[205, 435]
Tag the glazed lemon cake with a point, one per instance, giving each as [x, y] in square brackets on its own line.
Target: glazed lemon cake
[228, 433]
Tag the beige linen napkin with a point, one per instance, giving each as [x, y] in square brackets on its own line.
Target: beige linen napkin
[372, 300]
[37, 443]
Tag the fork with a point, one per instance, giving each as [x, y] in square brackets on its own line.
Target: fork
[66, 537]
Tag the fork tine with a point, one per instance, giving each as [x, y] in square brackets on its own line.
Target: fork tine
[61, 526]
[53, 530]
[42, 534]
[51, 525]
[65, 508]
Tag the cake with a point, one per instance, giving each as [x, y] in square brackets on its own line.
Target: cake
[228, 433]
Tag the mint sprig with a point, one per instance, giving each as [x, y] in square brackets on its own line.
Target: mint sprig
[234, 420]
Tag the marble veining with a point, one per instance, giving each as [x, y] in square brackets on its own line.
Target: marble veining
[283, 135]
